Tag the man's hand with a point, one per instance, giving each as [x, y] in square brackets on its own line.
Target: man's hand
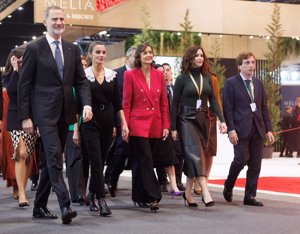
[270, 137]
[87, 113]
[27, 126]
[233, 137]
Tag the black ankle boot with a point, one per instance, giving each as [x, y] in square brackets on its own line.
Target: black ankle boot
[91, 202]
[104, 209]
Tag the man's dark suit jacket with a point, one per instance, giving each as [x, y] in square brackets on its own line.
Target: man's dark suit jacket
[236, 106]
[120, 78]
[42, 95]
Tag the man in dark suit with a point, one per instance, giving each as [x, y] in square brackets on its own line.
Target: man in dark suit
[120, 150]
[51, 66]
[246, 113]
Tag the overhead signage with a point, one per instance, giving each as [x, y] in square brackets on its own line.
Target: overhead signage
[81, 11]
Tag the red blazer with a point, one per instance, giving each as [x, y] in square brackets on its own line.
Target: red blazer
[146, 111]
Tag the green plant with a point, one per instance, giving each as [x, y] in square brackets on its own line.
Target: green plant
[271, 78]
[215, 64]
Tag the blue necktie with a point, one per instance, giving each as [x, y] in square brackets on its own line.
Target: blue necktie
[58, 59]
[249, 88]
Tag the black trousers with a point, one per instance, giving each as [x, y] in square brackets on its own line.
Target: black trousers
[74, 167]
[247, 152]
[119, 156]
[145, 187]
[53, 138]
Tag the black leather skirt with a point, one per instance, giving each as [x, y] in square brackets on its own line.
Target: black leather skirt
[193, 132]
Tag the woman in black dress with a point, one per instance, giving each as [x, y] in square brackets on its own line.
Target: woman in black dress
[98, 133]
[193, 89]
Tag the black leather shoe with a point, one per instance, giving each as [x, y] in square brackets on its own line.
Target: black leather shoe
[43, 213]
[34, 186]
[180, 187]
[104, 209]
[227, 193]
[67, 214]
[251, 201]
[80, 200]
[91, 202]
[164, 188]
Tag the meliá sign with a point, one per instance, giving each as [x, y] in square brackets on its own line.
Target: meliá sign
[102, 5]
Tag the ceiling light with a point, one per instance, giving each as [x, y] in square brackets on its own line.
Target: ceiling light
[9, 16]
[16, 46]
[34, 37]
[179, 33]
[20, 8]
[44, 32]
[251, 37]
[24, 42]
[199, 34]
[268, 37]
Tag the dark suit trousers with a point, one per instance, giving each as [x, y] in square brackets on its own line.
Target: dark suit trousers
[145, 186]
[53, 138]
[119, 157]
[247, 152]
[74, 167]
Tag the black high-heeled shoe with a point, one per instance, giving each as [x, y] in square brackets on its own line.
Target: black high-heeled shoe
[154, 206]
[142, 204]
[104, 209]
[192, 204]
[91, 203]
[208, 204]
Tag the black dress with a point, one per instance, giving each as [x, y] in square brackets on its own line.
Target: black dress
[193, 124]
[14, 125]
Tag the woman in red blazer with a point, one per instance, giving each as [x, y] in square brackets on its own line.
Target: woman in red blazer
[146, 110]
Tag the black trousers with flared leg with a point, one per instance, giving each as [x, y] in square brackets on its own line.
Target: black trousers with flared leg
[145, 186]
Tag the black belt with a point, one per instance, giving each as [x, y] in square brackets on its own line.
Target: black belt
[101, 107]
[185, 109]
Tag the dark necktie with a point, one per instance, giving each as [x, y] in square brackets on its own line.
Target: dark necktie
[58, 59]
[249, 88]
[170, 91]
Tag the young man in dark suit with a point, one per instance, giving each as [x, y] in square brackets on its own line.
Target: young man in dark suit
[247, 117]
[120, 151]
[51, 66]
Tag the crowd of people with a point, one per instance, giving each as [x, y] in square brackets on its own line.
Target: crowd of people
[56, 101]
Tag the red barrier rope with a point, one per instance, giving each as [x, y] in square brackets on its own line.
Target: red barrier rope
[288, 130]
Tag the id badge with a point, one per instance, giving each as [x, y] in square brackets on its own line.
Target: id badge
[198, 104]
[253, 106]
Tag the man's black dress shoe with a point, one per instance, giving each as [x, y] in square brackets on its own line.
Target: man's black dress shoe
[80, 200]
[251, 201]
[34, 186]
[227, 193]
[67, 214]
[43, 213]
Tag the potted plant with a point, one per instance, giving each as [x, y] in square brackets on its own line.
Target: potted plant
[271, 78]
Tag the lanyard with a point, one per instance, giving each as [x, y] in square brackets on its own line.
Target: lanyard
[199, 89]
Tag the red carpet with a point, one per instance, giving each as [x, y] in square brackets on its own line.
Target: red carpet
[274, 184]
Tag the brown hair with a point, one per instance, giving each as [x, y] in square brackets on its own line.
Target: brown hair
[18, 52]
[137, 56]
[188, 58]
[242, 56]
